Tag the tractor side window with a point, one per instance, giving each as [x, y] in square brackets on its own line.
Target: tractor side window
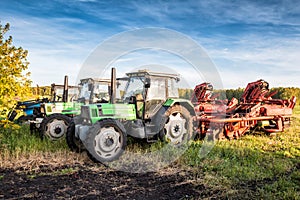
[157, 89]
[172, 89]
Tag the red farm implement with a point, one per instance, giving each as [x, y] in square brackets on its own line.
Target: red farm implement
[256, 108]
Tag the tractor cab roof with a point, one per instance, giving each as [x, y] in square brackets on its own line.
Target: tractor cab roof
[95, 80]
[147, 73]
[56, 86]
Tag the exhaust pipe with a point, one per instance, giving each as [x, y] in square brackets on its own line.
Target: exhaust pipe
[113, 86]
[65, 93]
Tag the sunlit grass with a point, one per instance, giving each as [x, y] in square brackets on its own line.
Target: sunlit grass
[19, 141]
[269, 166]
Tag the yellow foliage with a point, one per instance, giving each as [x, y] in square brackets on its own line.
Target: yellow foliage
[8, 124]
[14, 85]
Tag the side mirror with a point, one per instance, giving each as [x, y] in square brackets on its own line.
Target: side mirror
[147, 83]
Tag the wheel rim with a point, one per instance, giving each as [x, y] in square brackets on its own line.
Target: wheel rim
[107, 142]
[175, 128]
[56, 129]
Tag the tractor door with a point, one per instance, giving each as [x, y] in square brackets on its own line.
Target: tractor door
[135, 92]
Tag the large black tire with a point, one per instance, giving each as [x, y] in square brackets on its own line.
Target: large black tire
[55, 126]
[178, 128]
[106, 141]
[73, 142]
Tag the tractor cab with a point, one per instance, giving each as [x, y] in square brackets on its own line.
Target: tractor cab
[149, 91]
[58, 93]
[94, 90]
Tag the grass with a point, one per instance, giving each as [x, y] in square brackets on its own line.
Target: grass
[256, 166]
[259, 165]
[21, 149]
[14, 142]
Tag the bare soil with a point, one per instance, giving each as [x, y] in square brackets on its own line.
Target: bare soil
[66, 176]
[90, 182]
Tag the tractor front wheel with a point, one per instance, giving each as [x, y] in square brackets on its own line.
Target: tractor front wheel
[55, 126]
[106, 141]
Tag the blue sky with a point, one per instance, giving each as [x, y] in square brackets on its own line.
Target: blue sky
[247, 40]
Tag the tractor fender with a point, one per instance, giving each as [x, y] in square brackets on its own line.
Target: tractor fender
[183, 102]
[159, 119]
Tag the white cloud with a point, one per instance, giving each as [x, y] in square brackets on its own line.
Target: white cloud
[275, 59]
[54, 49]
[249, 12]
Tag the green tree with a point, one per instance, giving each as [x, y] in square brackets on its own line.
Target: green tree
[14, 81]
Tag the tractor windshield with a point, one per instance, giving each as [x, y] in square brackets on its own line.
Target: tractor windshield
[100, 93]
[94, 92]
[85, 91]
[121, 87]
[58, 91]
[134, 87]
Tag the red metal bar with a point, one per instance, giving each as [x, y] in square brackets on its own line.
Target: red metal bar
[229, 120]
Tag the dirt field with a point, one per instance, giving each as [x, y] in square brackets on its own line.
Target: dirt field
[76, 178]
[90, 182]
[51, 176]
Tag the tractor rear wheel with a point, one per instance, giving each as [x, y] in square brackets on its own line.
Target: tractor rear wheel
[178, 127]
[73, 142]
[106, 141]
[55, 126]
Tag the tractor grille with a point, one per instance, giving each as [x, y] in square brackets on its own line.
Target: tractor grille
[94, 112]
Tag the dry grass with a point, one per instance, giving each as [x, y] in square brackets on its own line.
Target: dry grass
[40, 160]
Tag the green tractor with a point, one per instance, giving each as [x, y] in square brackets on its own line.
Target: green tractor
[148, 108]
[54, 117]
[33, 111]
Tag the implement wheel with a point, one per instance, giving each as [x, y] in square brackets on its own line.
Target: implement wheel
[106, 141]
